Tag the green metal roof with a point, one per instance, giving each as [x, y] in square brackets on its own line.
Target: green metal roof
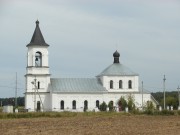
[84, 85]
[117, 69]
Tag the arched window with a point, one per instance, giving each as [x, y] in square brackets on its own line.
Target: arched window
[111, 105]
[62, 104]
[97, 104]
[111, 84]
[73, 104]
[130, 84]
[38, 59]
[85, 104]
[120, 84]
[38, 85]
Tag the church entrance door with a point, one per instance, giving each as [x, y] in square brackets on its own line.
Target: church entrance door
[38, 106]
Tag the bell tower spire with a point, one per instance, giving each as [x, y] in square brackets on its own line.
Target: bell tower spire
[37, 38]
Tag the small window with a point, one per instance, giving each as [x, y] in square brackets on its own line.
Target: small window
[130, 84]
[38, 85]
[120, 84]
[62, 105]
[111, 84]
[74, 104]
[97, 104]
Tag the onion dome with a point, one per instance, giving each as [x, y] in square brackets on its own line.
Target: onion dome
[117, 69]
[116, 56]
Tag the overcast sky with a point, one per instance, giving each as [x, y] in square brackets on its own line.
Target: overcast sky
[83, 35]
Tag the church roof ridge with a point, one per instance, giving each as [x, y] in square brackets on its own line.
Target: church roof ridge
[37, 38]
[73, 77]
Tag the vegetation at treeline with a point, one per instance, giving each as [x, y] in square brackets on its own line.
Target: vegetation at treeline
[11, 101]
[171, 100]
[81, 114]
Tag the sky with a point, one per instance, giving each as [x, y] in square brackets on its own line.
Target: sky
[84, 34]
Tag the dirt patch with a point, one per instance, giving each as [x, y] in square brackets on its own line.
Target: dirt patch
[93, 125]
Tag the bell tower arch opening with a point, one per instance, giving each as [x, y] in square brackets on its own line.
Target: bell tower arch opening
[38, 59]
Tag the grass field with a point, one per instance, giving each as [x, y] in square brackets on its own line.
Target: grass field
[101, 124]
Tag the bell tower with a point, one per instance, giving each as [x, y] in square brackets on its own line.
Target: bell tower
[37, 70]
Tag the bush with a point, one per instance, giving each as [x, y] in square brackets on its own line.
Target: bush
[149, 105]
[110, 105]
[122, 103]
[167, 112]
[149, 112]
[131, 105]
[178, 112]
[136, 111]
[156, 112]
[103, 106]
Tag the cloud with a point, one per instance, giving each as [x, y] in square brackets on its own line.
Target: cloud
[84, 34]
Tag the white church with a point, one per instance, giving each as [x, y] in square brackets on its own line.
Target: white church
[44, 93]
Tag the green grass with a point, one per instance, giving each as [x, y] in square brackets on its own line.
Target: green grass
[84, 114]
[1, 109]
[57, 114]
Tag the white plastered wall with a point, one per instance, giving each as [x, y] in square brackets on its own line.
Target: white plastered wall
[30, 99]
[91, 98]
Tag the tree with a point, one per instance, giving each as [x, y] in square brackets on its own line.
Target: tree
[171, 101]
[103, 106]
[122, 103]
[110, 105]
[131, 105]
[11, 101]
[149, 106]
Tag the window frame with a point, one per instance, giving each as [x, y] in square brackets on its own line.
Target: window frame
[130, 84]
[74, 104]
[38, 85]
[111, 84]
[62, 105]
[85, 104]
[120, 84]
[97, 103]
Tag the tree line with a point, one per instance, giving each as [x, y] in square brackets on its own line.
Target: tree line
[170, 100]
[11, 101]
